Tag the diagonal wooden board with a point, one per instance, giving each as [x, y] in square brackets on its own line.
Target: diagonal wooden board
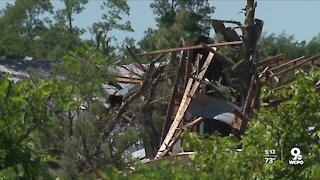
[186, 99]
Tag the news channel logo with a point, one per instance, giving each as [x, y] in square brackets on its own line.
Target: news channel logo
[296, 156]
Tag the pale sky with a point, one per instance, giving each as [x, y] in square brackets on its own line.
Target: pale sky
[296, 17]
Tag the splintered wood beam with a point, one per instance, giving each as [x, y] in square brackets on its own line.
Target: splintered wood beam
[297, 65]
[174, 93]
[186, 99]
[294, 62]
[270, 61]
[177, 137]
[189, 48]
[263, 73]
[273, 77]
[122, 79]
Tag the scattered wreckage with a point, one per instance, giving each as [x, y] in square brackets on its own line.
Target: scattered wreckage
[211, 92]
[208, 95]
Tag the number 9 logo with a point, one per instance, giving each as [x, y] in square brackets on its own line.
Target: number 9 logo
[296, 153]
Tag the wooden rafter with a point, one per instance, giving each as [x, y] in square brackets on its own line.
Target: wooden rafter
[270, 61]
[189, 48]
[296, 66]
[288, 64]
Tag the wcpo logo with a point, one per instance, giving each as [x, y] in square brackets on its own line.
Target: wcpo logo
[297, 157]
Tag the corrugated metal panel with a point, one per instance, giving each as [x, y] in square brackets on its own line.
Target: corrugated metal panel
[209, 107]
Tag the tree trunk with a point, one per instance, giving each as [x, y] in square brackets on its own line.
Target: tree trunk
[69, 14]
[251, 33]
[150, 136]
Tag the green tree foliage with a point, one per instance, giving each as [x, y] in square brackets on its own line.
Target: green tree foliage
[53, 127]
[111, 20]
[313, 47]
[26, 111]
[177, 19]
[274, 44]
[84, 147]
[28, 30]
[22, 26]
[65, 16]
[63, 28]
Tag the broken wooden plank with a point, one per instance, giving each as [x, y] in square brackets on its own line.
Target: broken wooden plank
[174, 92]
[273, 77]
[263, 73]
[123, 79]
[270, 61]
[177, 137]
[186, 99]
[294, 62]
[296, 66]
[188, 48]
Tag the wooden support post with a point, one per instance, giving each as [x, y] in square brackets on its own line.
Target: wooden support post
[186, 99]
[173, 97]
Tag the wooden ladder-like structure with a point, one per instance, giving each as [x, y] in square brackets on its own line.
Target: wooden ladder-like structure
[190, 90]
